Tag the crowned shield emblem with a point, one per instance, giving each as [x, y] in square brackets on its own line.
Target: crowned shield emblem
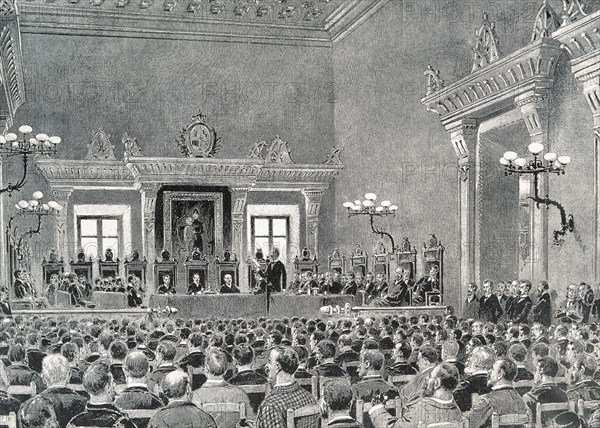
[198, 139]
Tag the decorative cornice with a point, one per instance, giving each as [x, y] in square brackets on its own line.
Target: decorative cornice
[293, 22]
[297, 176]
[85, 173]
[11, 70]
[495, 87]
[581, 40]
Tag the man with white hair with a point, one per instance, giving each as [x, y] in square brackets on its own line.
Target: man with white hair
[180, 411]
[398, 293]
[479, 363]
[450, 349]
[56, 372]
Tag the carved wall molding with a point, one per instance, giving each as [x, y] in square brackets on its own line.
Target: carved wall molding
[11, 59]
[85, 173]
[494, 88]
[319, 25]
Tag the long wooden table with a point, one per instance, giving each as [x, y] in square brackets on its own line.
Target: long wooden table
[248, 305]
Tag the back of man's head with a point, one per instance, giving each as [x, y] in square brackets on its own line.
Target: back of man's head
[136, 364]
[326, 348]
[97, 377]
[166, 350]
[518, 353]
[70, 351]
[337, 394]
[16, 354]
[36, 412]
[428, 353]
[509, 368]
[447, 374]
[375, 358]
[404, 349]
[118, 350]
[56, 369]
[216, 362]
[196, 340]
[548, 367]
[243, 355]
[175, 384]
[450, 349]
[287, 359]
[483, 357]
[587, 363]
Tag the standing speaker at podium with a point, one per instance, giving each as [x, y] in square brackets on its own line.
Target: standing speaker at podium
[276, 275]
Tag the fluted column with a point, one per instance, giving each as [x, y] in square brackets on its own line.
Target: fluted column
[149, 193]
[463, 135]
[312, 198]
[61, 225]
[535, 109]
[238, 208]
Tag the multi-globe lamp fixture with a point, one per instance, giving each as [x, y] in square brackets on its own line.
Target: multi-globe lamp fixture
[36, 206]
[25, 145]
[549, 163]
[369, 207]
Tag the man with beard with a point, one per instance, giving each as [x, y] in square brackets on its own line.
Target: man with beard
[436, 405]
[512, 294]
[541, 311]
[489, 306]
[372, 383]
[426, 284]
[479, 363]
[582, 385]
[471, 307]
[502, 294]
[413, 390]
[381, 286]
[586, 296]
[398, 293]
[520, 307]
[351, 286]
[570, 309]
[336, 285]
[369, 286]
[196, 287]
[503, 399]
[276, 275]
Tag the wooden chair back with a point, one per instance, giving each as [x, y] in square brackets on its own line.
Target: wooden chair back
[399, 380]
[523, 386]
[256, 389]
[311, 411]
[225, 414]
[551, 408]
[585, 408]
[511, 420]
[77, 387]
[456, 424]
[313, 382]
[9, 421]
[29, 390]
[363, 408]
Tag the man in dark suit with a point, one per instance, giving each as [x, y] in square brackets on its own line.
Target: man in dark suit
[398, 294]
[228, 287]
[426, 360]
[325, 352]
[570, 309]
[400, 356]
[380, 286]
[276, 275]
[471, 306]
[165, 354]
[581, 383]
[19, 374]
[538, 334]
[100, 410]
[166, 287]
[137, 395]
[502, 399]
[450, 350]
[309, 283]
[545, 390]
[480, 361]
[243, 357]
[425, 285]
[335, 405]
[372, 384]
[180, 412]
[22, 289]
[520, 306]
[489, 306]
[336, 284]
[518, 353]
[34, 355]
[67, 403]
[346, 353]
[542, 310]
[196, 286]
[369, 286]
[351, 286]
[195, 358]
[5, 310]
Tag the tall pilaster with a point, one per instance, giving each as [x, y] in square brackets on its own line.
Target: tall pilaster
[312, 198]
[463, 135]
[238, 208]
[64, 246]
[149, 193]
[535, 109]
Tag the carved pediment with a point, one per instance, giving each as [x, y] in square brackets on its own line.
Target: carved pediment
[487, 46]
[132, 147]
[100, 147]
[276, 151]
[546, 21]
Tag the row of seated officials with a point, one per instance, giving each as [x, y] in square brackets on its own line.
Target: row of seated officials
[395, 371]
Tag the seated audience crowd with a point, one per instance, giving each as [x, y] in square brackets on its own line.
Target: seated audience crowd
[390, 371]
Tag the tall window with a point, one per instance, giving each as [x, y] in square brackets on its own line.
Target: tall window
[97, 234]
[269, 233]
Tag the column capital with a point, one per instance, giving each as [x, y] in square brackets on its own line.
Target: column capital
[463, 136]
[535, 109]
[62, 194]
[591, 90]
[149, 189]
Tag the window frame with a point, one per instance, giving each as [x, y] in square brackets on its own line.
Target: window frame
[271, 236]
[100, 250]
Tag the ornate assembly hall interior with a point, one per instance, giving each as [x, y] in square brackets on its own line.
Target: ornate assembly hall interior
[240, 173]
